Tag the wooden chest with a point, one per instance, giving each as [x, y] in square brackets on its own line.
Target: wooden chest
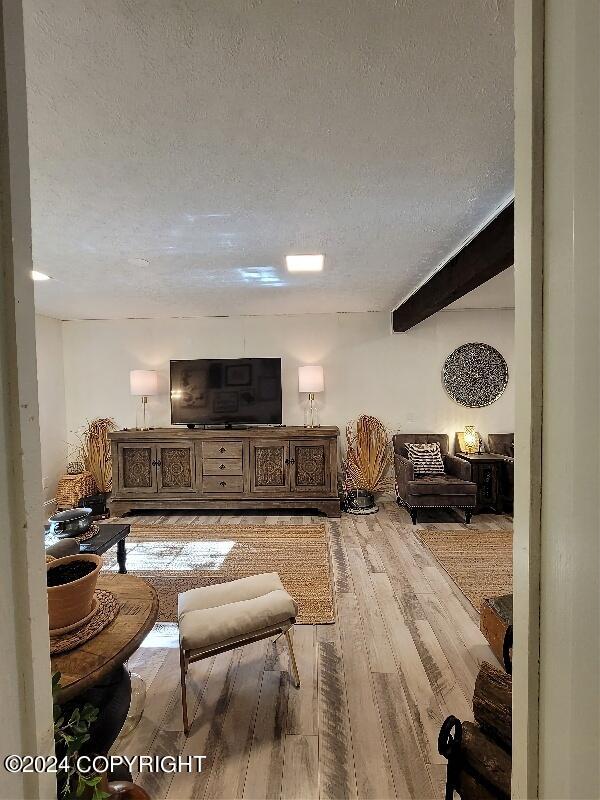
[496, 617]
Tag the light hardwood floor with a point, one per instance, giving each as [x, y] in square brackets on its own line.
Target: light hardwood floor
[375, 686]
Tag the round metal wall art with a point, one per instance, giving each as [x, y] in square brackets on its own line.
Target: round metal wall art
[475, 375]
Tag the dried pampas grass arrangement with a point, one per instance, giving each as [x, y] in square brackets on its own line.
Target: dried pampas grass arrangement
[95, 452]
[368, 455]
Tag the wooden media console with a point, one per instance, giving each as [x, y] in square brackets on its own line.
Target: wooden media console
[246, 468]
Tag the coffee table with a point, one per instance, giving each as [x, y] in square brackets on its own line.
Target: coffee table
[109, 535]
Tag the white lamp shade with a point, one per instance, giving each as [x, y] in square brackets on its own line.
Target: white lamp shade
[143, 382]
[310, 379]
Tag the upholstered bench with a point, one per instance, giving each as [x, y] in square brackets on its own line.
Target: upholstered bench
[224, 616]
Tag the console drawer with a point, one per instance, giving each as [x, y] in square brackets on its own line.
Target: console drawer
[222, 466]
[214, 483]
[222, 449]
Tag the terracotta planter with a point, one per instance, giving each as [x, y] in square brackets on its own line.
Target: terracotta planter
[71, 602]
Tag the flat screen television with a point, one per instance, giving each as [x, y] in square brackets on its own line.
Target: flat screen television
[226, 391]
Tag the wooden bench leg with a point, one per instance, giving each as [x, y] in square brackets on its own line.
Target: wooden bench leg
[183, 668]
[292, 660]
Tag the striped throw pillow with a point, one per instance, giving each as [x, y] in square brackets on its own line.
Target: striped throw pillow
[426, 458]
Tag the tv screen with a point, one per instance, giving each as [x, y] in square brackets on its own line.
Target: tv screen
[230, 391]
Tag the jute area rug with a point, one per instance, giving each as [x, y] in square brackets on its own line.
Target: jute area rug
[175, 558]
[478, 561]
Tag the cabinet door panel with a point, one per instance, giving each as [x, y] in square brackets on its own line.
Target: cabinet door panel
[269, 473]
[310, 473]
[137, 469]
[176, 467]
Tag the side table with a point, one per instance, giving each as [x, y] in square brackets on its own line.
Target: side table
[485, 472]
[109, 535]
[94, 671]
[85, 666]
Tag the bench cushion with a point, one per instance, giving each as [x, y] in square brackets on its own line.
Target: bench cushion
[215, 615]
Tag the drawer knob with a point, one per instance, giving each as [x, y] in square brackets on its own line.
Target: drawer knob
[223, 483]
[221, 449]
[222, 466]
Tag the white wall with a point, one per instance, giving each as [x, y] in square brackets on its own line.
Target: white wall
[367, 368]
[51, 394]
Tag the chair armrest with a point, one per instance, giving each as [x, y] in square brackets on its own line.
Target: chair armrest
[405, 472]
[457, 467]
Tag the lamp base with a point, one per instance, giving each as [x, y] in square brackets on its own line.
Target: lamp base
[142, 422]
[311, 413]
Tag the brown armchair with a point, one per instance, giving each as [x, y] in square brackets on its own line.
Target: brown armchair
[503, 444]
[454, 489]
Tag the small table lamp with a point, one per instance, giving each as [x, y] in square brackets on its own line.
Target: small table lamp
[311, 381]
[471, 439]
[143, 383]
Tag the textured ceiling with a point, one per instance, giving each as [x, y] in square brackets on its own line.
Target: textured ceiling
[211, 138]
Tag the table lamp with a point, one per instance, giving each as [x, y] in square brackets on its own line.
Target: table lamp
[143, 383]
[471, 439]
[310, 381]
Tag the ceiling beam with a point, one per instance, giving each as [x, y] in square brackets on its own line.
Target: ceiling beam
[486, 255]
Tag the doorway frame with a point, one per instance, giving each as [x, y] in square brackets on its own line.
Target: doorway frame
[25, 684]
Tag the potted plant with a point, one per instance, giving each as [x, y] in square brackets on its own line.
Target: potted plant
[96, 456]
[71, 582]
[70, 735]
[366, 465]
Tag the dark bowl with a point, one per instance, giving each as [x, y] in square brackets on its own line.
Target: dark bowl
[72, 522]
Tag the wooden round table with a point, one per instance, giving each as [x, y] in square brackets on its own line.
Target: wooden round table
[86, 665]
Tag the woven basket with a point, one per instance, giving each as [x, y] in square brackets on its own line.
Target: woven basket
[71, 489]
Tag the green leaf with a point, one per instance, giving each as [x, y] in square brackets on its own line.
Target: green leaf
[81, 727]
[74, 716]
[89, 712]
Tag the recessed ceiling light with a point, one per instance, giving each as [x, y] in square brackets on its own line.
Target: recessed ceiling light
[312, 263]
[39, 276]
